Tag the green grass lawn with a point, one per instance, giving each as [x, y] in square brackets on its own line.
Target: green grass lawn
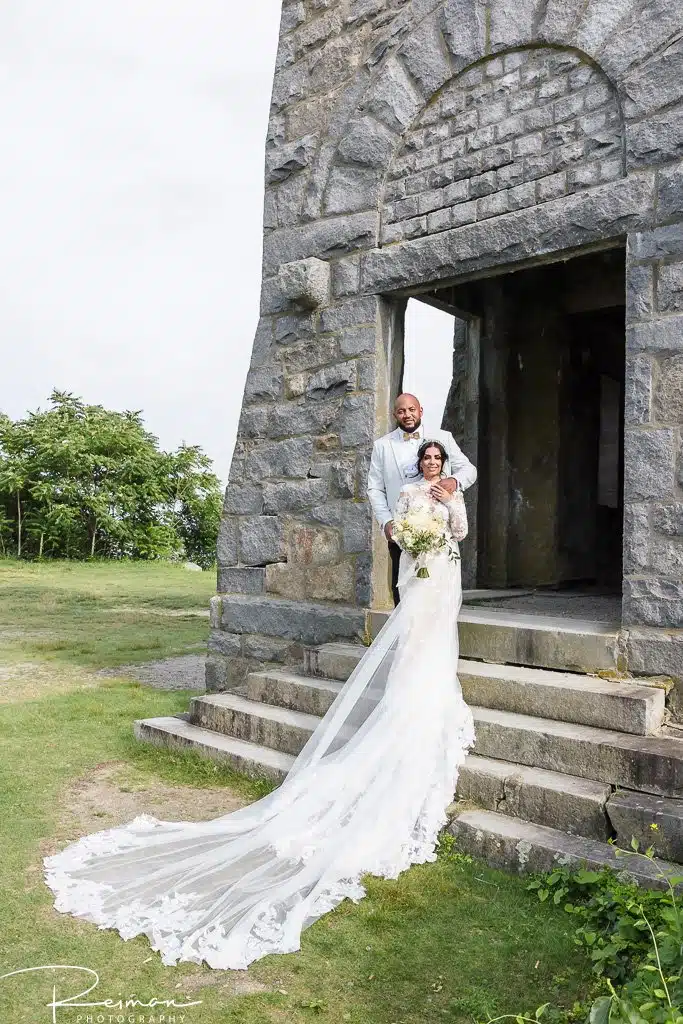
[450, 941]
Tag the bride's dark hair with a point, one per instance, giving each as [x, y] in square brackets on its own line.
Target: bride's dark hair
[431, 444]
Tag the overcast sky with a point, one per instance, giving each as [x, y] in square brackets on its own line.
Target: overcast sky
[131, 186]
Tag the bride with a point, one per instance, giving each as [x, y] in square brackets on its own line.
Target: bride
[367, 794]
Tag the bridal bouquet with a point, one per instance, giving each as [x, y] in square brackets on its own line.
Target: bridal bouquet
[421, 533]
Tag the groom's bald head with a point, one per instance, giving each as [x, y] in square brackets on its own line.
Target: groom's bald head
[408, 412]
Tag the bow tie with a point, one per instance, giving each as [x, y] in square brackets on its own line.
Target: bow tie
[409, 437]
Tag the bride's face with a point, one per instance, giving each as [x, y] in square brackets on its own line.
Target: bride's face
[432, 464]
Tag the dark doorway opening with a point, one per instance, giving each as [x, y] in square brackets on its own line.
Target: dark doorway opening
[545, 395]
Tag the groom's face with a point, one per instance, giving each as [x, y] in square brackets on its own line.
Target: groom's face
[408, 412]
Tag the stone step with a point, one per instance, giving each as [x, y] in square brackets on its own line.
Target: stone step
[332, 661]
[264, 724]
[575, 806]
[547, 798]
[522, 846]
[626, 706]
[542, 641]
[635, 814]
[646, 763]
[298, 693]
[250, 758]
[651, 764]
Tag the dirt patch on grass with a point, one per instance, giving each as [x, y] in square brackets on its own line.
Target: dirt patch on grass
[31, 680]
[114, 793]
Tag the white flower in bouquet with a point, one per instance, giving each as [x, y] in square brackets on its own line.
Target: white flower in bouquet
[420, 533]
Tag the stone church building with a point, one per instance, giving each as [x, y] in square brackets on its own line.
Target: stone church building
[518, 164]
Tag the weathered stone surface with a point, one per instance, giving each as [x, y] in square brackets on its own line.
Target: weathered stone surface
[269, 648]
[394, 99]
[656, 652]
[293, 328]
[507, 129]
[653, 602]
[666, 557]
[639, 292]
[292, 495]
[345, 276]
[305, 282]
[313, 545]
[262, 350]
[354, 520]
[641, 34]
[636, 538]
[309, 354]
[335, 236]
[358, 340]
[668, 519]
[523, 847]
[236, 580]
[332, 381]
[261, 540]
[425, 54]
[227, 542]
[302, 622]
[368, 143]
[651, 764]
[316, 583]
[244, 500]
[229, 644]
[290, 458]
[670, 192]
[657, 244]
[670, 287]
[653, 821]
[294, 418]
[357, 424]
[664, 334]
[349, 314]
[351, 189]
[289, 158]
[215, 606]
[465, 30]
[638, 389]
[668, 404]
[578, 220]
[649, 464]
[286, 581]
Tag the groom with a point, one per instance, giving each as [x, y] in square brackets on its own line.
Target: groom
[394, 464]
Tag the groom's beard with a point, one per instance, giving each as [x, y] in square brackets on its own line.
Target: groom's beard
[411, 430]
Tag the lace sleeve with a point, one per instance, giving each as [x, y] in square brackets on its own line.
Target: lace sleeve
[403, 504]
[457, 516]
[402, 508]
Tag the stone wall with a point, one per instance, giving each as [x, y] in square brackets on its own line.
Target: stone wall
[510, 132]
[653, 554]
[357, 84]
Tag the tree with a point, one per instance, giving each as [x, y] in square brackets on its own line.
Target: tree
[81, 481]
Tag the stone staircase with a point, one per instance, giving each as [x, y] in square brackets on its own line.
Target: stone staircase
[568, 755]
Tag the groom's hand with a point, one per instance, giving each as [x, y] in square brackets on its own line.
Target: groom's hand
[450, 484]
[389, 530]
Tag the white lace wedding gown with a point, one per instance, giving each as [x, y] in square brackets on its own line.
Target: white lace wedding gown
[366, 795]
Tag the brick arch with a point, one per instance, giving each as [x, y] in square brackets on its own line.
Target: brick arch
[427, 46]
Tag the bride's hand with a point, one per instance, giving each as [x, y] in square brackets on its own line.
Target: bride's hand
[441, 493]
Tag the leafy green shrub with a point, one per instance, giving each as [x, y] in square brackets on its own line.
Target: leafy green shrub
[634, 938]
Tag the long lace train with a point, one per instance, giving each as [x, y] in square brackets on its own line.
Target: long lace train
[367, 794]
